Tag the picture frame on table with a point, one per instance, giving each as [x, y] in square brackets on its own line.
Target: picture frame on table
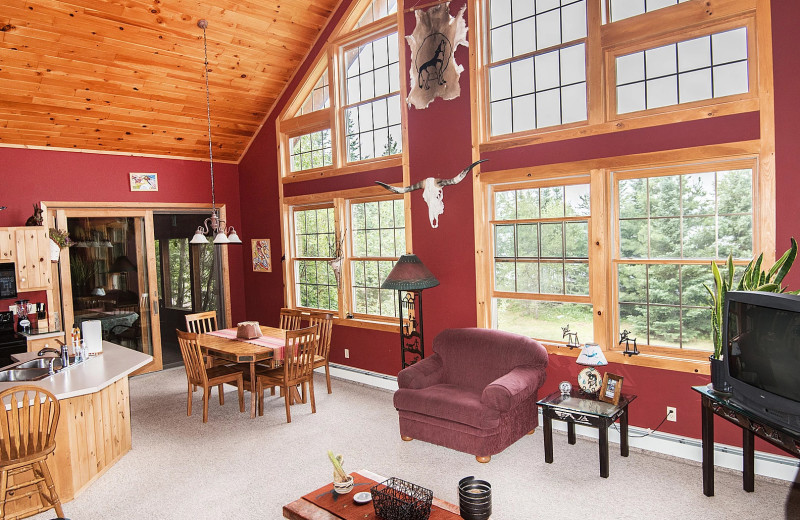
[611, 390]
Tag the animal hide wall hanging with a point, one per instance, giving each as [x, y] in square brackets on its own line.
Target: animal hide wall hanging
[434, 71]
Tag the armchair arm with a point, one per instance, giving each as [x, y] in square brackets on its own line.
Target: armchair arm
[511, 389]
[423, 373]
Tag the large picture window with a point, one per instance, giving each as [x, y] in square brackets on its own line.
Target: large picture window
[670, 226]
[541, 260]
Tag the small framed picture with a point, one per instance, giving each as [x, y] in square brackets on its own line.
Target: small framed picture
[611, 389]
[144, 181]
[262, 258]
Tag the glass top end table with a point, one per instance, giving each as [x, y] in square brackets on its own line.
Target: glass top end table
[585, 409]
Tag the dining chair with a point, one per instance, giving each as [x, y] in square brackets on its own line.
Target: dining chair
[28, 422]
[201, 322]
[290, 319]
[198, 374]
[321, 358]
[297, 369]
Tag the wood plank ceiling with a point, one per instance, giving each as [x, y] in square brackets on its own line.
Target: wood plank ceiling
[127, 76]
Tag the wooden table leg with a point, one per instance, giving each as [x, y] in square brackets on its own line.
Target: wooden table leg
[623, 433]
[603, 446]
[708, 447]
[571, 432]
[548, 439]
[748, 460]
[253, 393]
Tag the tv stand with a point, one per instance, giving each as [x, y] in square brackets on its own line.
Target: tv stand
[714, 403]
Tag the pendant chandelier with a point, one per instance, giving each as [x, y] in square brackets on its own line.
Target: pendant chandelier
[213, 225]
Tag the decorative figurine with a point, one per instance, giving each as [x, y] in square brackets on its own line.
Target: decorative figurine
[625, 336]
[36, 219]
[572, 337]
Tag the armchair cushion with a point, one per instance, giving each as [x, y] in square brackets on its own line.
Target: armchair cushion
[505, 393]
[451, 403]
[426, 372]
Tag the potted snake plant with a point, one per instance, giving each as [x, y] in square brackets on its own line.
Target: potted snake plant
[753, 278]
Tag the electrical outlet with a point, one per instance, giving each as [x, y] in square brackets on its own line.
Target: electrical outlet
[347, 353]
[672, 414]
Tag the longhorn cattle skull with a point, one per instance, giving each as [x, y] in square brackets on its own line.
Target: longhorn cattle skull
[432, 191]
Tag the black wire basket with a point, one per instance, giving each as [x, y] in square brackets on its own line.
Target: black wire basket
[396, 499]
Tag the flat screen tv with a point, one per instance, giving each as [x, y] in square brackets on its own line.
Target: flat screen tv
[761, 350]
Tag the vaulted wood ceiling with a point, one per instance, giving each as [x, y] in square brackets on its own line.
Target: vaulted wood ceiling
[128, 75]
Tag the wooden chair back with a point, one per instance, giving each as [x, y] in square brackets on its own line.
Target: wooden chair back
[290, 319]
[192, 358]
[324, 320]
[201, 322]
[298, 356]
[28, 422]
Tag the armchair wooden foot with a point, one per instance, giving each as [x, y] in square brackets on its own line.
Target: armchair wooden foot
[406, 438]
[483, 459]
[532, 431]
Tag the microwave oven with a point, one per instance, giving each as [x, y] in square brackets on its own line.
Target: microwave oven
[8, 280]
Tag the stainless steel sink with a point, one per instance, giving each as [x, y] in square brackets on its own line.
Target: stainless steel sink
[24, 374]
[43, 362]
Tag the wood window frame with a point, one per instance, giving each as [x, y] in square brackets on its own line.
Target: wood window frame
[603, 42]
[603, 241]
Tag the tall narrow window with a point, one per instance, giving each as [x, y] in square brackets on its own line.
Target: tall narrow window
[541, 260]
[315, 245]
[537, 69]
[670, 226]
[378, 239]
[372, 99]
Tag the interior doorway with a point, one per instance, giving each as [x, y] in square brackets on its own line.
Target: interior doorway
[188, 278]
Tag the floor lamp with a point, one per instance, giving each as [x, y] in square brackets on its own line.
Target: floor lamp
[410, 276]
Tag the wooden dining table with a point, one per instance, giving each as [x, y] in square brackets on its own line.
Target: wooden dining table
[239, 351]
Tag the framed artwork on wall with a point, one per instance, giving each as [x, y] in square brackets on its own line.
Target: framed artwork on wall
[143, 181]
[262, 258]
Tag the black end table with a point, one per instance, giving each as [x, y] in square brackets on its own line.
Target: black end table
[580, 408]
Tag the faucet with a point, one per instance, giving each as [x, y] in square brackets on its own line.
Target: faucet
[49, 349]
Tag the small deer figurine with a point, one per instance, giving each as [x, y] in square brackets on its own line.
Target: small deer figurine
[35, 219]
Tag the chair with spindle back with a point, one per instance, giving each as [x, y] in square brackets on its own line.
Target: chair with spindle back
[297, 368]
[290, 319]
[198, 374]
[201, 322]
[325, 322]
[28, 422]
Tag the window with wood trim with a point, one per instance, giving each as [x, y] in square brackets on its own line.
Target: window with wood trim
[537, 64]
[372, 99]
[315, 247]
[540, 246]
[309, 151]
[670, 224]
[376, 10]
[378, 239]
[549, 65]
[318, 98]
[708, 67]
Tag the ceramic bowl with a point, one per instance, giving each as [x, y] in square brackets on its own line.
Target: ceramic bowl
[344, 487]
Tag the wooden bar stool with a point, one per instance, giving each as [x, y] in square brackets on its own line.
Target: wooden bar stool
[28, 422]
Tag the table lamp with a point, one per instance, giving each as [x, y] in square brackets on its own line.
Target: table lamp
[592, 355]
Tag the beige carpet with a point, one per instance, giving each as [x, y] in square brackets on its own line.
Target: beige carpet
[235, 467]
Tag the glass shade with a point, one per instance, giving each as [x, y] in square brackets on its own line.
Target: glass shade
[199, 237]
[592, 355]
[233, 238]
[221, 238]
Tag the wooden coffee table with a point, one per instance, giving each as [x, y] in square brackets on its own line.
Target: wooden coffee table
[302, 509]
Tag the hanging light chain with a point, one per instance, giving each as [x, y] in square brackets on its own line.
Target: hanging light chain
[203, 24]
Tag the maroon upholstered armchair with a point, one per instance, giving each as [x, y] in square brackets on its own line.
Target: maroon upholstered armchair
[477, 393]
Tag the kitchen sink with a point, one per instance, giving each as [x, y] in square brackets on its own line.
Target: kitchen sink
[24, 374]
[43, 362]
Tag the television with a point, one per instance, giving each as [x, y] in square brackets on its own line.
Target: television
[761, 352]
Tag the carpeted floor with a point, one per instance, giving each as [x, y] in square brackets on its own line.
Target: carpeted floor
[239, 468]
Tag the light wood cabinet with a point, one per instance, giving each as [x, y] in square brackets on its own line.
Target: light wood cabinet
[29, 248]
[35, 345]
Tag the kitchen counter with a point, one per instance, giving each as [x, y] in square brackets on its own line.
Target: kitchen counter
[90, 376]
[94, 430]
[43, 335]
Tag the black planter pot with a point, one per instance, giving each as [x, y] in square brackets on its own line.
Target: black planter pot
[718, 381]
[474, 499]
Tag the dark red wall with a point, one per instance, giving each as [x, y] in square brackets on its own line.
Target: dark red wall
[28, 176]
[440, 145]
